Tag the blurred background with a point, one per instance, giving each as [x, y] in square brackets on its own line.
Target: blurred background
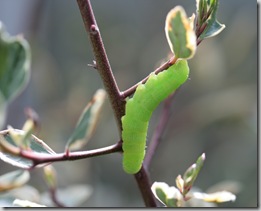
[214, 112]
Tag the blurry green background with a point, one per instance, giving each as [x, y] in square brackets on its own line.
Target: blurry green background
[215, 111]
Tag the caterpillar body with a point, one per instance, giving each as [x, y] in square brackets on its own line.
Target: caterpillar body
[139, 109]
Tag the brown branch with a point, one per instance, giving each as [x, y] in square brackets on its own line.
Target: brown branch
[39, 158]
[53, 194]
[115, 97]
[164, 66]
[143, 183]
[102, 62]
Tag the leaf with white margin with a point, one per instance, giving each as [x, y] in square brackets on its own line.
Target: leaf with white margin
[36, 146]
[87, 122]
[167, 195]
[218, 197]
[180, 33]
[13, 179]
[15, 63]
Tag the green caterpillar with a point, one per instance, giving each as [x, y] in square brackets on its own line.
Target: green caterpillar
[139, 109]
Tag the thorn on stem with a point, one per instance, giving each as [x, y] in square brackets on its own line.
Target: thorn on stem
[94, 29]
[67, 153]
[93, 65]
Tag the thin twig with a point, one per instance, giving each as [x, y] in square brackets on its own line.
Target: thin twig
[155, 140]
[53, 193]
[40, 158]
[164, 66]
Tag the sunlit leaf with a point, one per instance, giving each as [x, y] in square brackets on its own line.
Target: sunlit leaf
[206, 13]
[180, 34]
[13, 179]
[180, 183]
[28, 128]
[15, 62]
[12, 157]
[22, 140]
[50, 176]
[191, 173]
[201, 10]
[167, 195]
[191, 201]
[217, 197]
[159, 190]
[87, 122]
[26, 203]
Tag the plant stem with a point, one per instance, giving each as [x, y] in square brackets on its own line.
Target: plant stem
[115, 97]
[155, 140]
[102, 62]
[39, 158]
[144, 182]
[53, 193]
[164, 66]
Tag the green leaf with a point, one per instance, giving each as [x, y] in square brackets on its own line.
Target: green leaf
[15, 62]
[201, 10]
[9, 150]
[50, 176]
[161, 195]
[23, 139]
[180, 34]
[206, 13]
[191, 174]
[212, 30]
[167, 195]
[87, 122]
[13, 179]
